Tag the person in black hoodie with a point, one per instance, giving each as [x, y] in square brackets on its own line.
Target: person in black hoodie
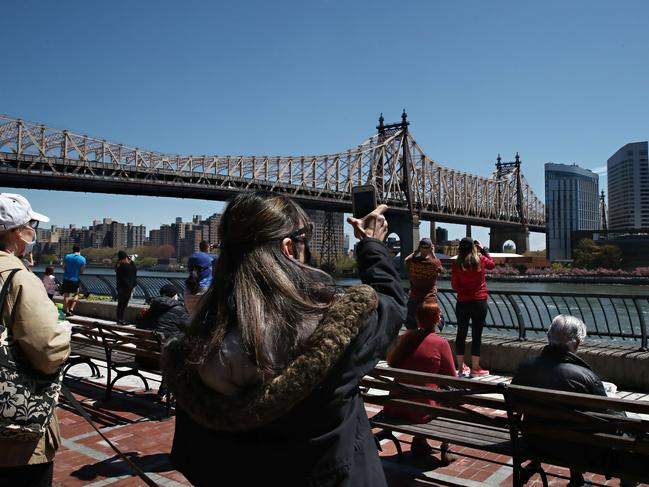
[166, 314]
[126, 280]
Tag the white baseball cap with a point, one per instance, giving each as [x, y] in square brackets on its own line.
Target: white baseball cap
[15, 211]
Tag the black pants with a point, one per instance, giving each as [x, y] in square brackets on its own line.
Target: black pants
[476, 313]
[39, 475]
[123, 297]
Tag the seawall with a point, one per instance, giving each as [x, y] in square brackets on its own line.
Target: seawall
[621, 363]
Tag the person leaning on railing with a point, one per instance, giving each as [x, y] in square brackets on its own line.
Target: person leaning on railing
[266, 378]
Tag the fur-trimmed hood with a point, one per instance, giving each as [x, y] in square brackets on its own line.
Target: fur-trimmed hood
[269, 401]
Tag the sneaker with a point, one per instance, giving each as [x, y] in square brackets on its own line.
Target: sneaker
[464, 372]
[69, 313]
[475, 372]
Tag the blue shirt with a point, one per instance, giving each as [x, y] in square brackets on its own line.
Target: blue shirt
[203, 263]
[73, 264]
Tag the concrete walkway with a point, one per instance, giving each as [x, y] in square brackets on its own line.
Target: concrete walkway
[135, 421]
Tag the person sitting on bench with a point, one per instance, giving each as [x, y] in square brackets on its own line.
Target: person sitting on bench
[165, 314]
[422, 350]
[559, 368]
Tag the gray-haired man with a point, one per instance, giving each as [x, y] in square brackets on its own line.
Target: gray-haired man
[559, 368]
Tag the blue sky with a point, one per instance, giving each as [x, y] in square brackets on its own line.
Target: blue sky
[556, 81]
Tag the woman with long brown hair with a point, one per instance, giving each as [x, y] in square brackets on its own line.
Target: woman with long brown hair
[468, 280]
[266, 378]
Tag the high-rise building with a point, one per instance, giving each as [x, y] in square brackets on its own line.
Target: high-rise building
[213, 233]
[571, 204]
[441, 235]
[628, 187]
[117, 237]
[135, 235]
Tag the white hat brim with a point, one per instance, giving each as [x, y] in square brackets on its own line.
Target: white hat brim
[39, 216]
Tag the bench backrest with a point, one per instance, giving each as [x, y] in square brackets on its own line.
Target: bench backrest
[582, 418]
[457, 399]
[118, 338]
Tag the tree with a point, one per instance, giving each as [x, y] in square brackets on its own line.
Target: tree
[589, 255]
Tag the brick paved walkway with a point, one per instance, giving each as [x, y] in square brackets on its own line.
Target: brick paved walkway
[135, 421]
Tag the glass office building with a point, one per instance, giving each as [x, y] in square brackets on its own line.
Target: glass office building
[628, 188]
[571, 204]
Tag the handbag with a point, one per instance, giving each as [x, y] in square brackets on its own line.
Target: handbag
[27, 397]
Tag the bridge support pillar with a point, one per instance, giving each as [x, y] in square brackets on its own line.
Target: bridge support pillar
[407, 228]
[520, 236]
[468, 231]
[433, 233]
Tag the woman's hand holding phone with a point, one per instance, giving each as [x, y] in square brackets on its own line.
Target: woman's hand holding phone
[372, 225]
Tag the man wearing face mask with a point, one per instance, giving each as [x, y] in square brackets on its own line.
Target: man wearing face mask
[32, 323]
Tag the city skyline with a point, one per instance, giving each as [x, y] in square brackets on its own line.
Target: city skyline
[555, 81]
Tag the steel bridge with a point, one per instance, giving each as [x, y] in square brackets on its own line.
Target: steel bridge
[414, 186]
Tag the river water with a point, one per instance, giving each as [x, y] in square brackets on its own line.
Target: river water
[559, 287]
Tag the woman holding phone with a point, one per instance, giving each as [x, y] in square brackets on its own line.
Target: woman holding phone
[423, 269]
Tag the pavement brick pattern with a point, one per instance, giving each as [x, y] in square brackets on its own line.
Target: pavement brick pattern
[135, 421]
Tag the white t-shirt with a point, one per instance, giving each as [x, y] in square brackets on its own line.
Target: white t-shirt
[50, 284]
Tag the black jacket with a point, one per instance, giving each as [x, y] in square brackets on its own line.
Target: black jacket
[165, 315]
[126, 276]
[559, 369]
[308, 427]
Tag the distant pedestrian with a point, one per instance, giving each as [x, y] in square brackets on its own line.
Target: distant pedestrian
[468, 280]
[126, 280]
[49, 281]
[74, 265]
[423, 269]
[199, 265]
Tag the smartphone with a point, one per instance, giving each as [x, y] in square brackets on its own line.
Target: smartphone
[363, 200]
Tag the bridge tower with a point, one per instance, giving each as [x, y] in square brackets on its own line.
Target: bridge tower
[519, 234]
[406, 226]
[328, 248]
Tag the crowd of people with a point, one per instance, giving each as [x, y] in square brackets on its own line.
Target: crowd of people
[263, 343]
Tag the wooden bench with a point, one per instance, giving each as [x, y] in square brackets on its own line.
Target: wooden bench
[499, 418]
[554, 427]
[125, 349]
[468, 413]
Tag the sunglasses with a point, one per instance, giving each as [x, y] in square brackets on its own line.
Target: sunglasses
[305, 232]
[33, 224]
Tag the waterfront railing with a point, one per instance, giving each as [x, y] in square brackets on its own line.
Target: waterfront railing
[528, 313]
[521, 314]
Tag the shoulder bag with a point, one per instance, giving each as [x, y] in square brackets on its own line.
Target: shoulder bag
[27, 397]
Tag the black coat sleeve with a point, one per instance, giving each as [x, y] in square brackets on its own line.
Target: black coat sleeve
[377, 270]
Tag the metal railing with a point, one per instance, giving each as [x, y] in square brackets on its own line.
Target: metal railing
[525, 313]
[106, 285]
[519, 313]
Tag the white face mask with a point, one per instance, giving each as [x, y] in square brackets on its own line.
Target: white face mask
[29, 246]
